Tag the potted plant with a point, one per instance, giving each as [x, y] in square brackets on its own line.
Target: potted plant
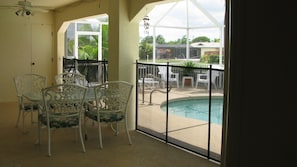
[189, 68]
[188, 72]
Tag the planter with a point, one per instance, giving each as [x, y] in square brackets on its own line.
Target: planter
[188, 82]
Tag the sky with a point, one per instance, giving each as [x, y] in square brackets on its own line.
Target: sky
[205, 18]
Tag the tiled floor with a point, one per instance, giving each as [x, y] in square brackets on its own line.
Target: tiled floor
[20, 150]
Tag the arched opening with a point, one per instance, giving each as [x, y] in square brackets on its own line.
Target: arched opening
[85, 47]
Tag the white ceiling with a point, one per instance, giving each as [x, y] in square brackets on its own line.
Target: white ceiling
[48, 4]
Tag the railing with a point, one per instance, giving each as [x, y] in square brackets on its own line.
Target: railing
[153, 113]
[94, 70]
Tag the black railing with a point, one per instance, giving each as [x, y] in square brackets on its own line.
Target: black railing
[154, 90]
[94, 70]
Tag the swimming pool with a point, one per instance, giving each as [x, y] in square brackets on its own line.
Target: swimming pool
[196, 108]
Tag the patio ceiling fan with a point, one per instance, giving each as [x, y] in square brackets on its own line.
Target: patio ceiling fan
[25, 8]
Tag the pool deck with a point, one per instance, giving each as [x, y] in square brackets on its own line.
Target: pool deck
[191, 131]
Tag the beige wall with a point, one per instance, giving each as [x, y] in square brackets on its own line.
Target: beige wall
[23, 40]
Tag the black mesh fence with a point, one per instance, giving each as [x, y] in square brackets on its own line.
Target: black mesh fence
[94, 70]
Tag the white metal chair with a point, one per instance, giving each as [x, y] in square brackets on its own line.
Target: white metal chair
[111, 100]
[63, 107]
[71, 78]
[30, 84]
[173, 77]
[150, 82]
[204, 79]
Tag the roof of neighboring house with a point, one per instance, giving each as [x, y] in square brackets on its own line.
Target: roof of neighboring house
[193, 45]
[206, 44]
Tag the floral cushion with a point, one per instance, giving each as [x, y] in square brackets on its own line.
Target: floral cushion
[105, 116]
[59, 122]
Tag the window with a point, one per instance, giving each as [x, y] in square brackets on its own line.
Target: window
[86, 39]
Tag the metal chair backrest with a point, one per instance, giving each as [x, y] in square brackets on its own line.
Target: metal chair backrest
[29, 84]
[63, 99]
[113, 96]
[71, 78]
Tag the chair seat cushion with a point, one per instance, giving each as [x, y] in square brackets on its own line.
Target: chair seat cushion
[105, 116]
[59, 122]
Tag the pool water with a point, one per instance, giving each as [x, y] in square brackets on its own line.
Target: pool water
[196, 109]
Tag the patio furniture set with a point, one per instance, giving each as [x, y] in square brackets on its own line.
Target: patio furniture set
[70, 103]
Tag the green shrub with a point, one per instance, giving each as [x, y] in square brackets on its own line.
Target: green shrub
[189, 64]
[210, 59]
[189, 67]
